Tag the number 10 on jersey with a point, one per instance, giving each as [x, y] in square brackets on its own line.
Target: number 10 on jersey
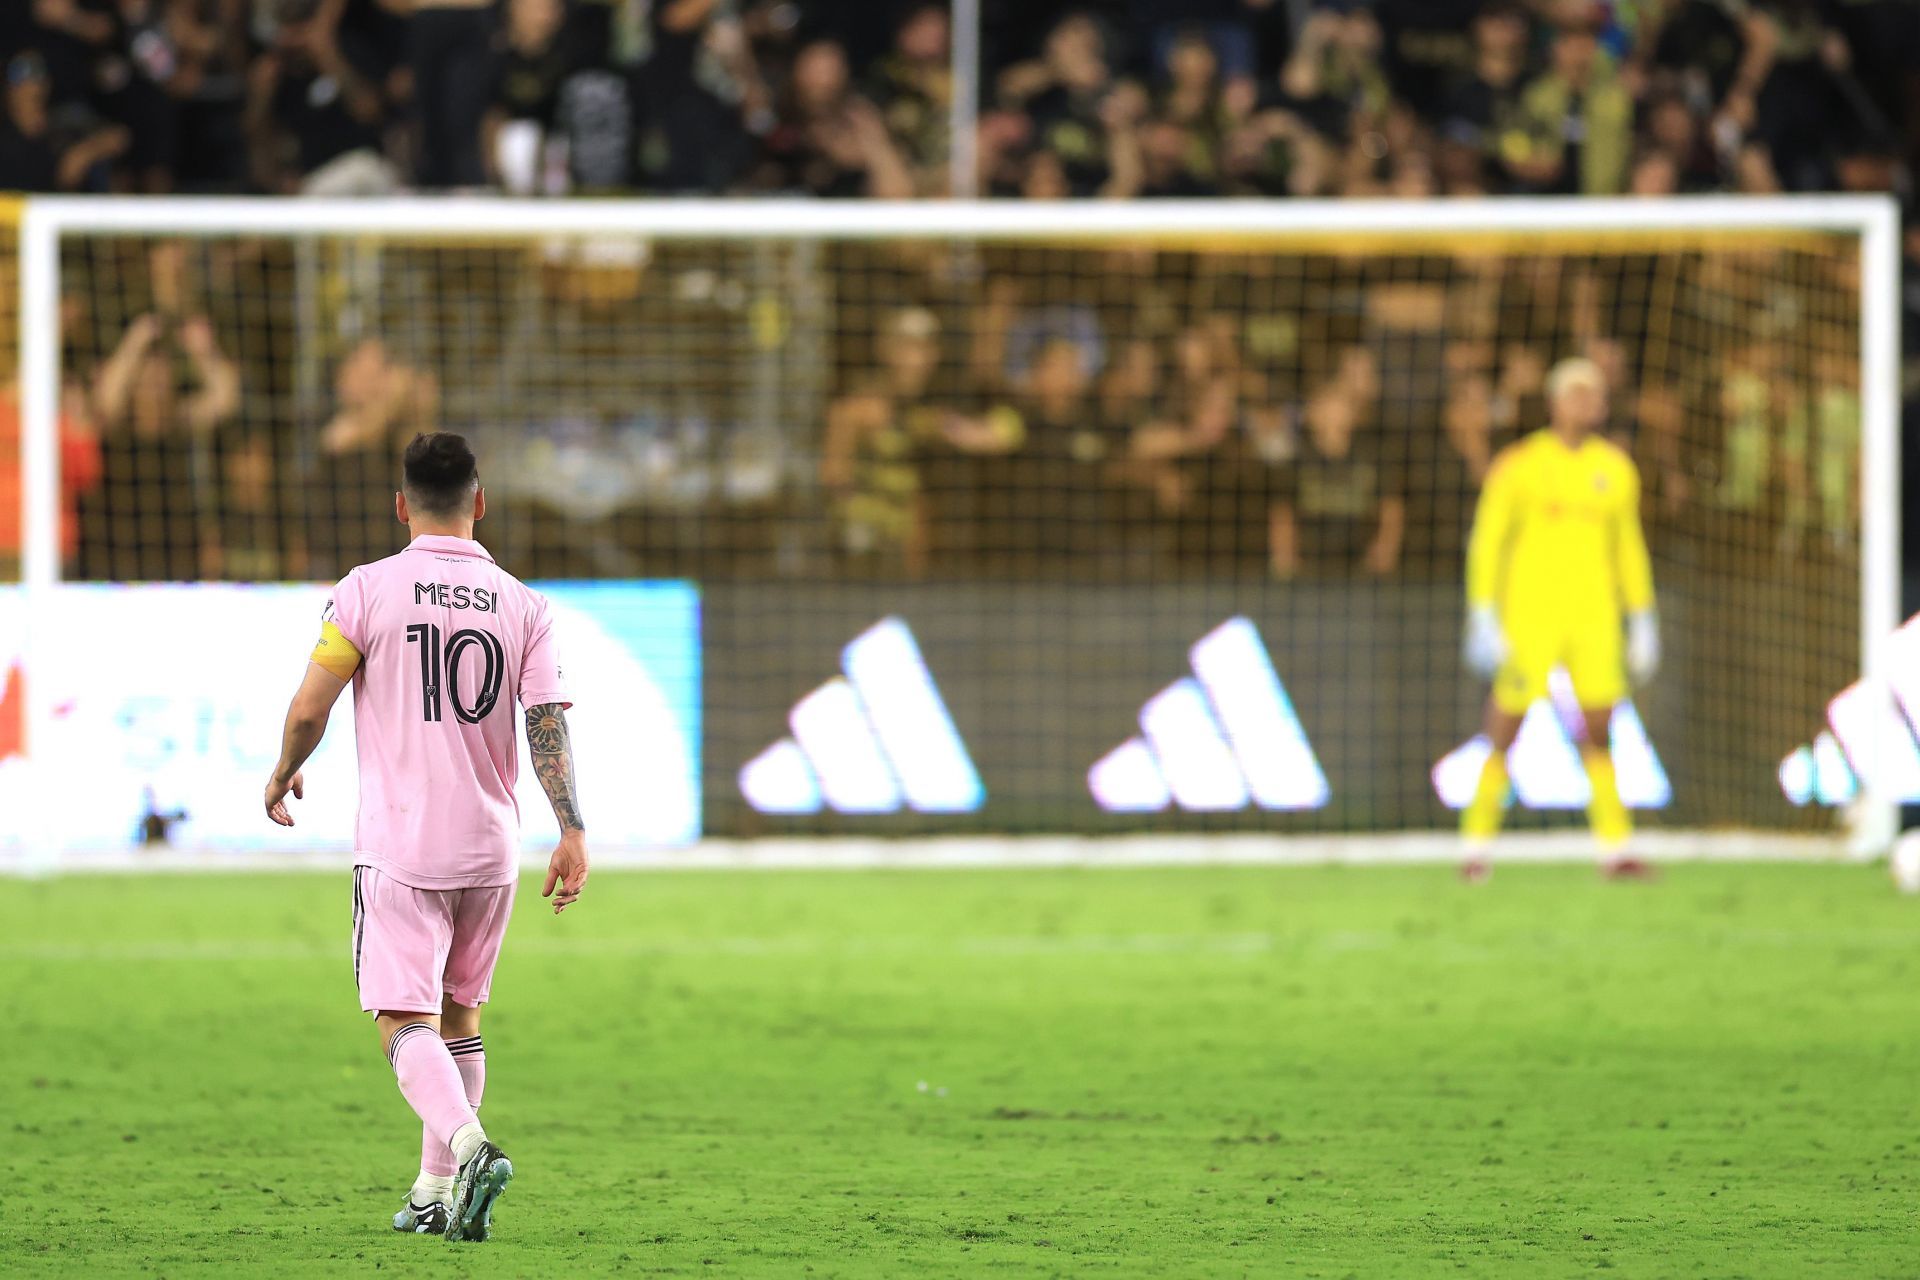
[436, 658]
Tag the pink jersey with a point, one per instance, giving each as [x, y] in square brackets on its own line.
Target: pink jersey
[448, 643]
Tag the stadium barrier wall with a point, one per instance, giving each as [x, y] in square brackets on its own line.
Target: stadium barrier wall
[763, 711]
[173, 754]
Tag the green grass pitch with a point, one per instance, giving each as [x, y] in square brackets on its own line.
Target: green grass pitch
[1200, 1072]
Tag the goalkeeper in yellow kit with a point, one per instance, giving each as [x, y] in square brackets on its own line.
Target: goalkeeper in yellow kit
[1558, 576]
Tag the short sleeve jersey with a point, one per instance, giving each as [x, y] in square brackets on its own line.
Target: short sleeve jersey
[441, 643]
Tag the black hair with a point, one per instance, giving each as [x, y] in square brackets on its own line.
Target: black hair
[441, 474]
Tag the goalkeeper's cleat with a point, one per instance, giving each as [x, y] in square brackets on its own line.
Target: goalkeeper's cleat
[1626, 867]
[483, 1179]
[1476, 869]
[422, 1219]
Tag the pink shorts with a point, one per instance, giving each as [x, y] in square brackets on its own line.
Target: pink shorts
[413, 946]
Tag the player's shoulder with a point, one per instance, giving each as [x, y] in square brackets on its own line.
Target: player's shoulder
[375, 570]
[349, 587]
[529, 600]
[1511, 458]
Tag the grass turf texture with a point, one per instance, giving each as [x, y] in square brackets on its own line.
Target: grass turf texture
[1187, 1072]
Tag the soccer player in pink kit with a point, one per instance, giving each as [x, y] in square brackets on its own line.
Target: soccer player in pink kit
[438, 642]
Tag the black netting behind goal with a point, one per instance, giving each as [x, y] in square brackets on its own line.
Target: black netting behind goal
[1018, 535]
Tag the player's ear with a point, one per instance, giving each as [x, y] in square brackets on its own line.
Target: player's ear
[479, 504]
[400, 507]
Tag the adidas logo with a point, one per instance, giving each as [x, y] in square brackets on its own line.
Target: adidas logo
[1218, 740]
[1545, 763]
[1828, 771]
[1818, 774]
[875, 739]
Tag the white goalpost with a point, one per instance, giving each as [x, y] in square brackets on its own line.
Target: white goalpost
[762, 331]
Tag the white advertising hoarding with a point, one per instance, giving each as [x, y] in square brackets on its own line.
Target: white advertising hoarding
[167, 704]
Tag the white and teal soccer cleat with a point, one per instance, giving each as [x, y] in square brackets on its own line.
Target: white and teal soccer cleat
[422, 1219]
[483, 1180]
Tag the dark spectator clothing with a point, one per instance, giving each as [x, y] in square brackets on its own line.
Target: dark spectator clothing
[1068, 125]
[1344, 91]
[210, 146]
[373, 39]
[309, 106]
[1884, 37]
[670, 64]
[915, 111]
[27, 164]
[1442, 489]
[526, 86]
[1230, 499]
[688, 141]
[1803, 115]
[1702, 40]
[1428, 45]
[70, 60]
[589, 30]
[138, 75]
[1336, 499]
[792, 162]
[1054, 494]
[691, 119]
[1477, 111]
[450, 50]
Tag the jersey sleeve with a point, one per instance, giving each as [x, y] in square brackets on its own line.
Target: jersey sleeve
[347, 610]
[336, 651]
[541, 679]
[1632, 565]
[1487, 545]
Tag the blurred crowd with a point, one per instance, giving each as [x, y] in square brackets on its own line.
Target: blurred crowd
[957, 410]
[1129, 412]
[910, 408]
[1113, 98]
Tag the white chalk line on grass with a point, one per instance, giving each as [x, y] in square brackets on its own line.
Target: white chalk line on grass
[1004, 852]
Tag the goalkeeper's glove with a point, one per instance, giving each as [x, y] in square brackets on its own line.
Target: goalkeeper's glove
[1643, 645]
[1486, 644]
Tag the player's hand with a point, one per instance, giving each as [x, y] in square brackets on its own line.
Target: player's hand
[277, 796]
[1486, 645]
[567, 869]
[1643, 646]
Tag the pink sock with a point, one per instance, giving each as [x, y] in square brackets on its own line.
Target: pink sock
[429, 1081]
[470, 1056]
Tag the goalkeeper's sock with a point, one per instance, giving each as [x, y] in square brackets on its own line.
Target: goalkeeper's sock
[470, 1056]
[1612, 826]
[431, 1084]
[1480, 820]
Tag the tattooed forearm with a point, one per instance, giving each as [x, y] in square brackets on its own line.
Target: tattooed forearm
[553, 761]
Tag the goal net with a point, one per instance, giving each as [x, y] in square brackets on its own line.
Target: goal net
[11, 519]
[1000, 519]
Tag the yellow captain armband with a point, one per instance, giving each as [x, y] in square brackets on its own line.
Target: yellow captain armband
[334, 653]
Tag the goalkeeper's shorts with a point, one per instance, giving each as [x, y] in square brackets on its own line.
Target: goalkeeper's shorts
[1590, 652]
